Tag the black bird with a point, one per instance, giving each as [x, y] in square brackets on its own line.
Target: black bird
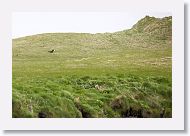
[51, 51]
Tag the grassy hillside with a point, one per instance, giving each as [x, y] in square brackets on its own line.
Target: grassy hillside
[121, 74]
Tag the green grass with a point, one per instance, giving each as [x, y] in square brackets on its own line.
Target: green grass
[108, 75]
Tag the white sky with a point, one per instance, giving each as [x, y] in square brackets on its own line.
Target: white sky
[30, 23]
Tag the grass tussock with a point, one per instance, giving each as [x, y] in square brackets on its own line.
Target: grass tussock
[127, 96]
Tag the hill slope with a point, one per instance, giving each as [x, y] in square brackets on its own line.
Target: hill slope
[150, 28]
[95, 75]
